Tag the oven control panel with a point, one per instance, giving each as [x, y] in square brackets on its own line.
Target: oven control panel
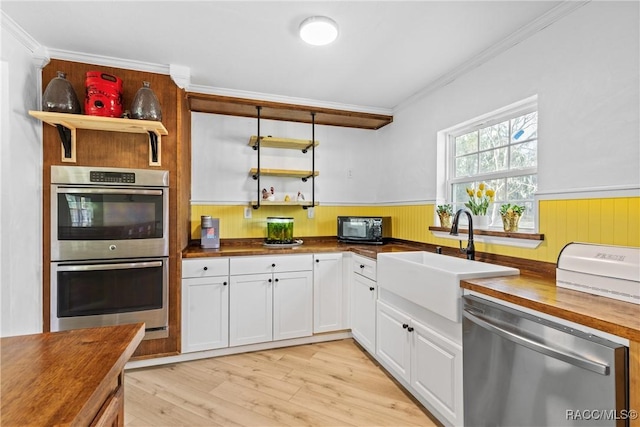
[114, 177]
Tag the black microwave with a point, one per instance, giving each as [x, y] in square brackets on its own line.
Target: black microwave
[364, 229]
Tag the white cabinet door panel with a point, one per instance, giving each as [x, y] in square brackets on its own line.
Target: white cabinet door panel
[250, 309]
[393, 341]
[205, 313]
[363, 312]
[328, 294]
[292, 305]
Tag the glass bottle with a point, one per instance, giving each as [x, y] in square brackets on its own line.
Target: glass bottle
[145, 104]
[59, 96]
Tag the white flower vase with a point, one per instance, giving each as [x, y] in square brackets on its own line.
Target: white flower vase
[481, 222]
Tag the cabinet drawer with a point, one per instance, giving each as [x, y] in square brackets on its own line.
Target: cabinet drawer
[364, 266]
[270, 264]
[205, 267]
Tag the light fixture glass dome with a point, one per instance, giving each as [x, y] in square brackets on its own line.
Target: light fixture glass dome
[318, 30]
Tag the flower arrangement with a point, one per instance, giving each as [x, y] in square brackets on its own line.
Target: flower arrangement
[480, 199]
[445, 212]
[511, 216]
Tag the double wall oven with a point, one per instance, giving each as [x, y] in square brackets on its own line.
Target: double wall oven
[109, 248]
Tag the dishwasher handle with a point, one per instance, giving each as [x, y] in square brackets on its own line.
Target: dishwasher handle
[541, 347]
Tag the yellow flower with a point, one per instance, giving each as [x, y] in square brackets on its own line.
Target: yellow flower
[490, 192]
[479, 193]
[470, 192]
[481, 186]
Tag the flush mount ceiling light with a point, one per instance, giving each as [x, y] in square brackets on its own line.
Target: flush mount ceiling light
[318, 30]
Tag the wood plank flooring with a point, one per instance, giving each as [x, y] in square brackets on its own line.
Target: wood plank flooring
[325, 384]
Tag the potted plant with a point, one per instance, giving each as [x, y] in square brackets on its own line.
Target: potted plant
[445, 213]
[479, 200]
[511, 215]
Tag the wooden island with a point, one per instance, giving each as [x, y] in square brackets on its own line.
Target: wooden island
[67, 378]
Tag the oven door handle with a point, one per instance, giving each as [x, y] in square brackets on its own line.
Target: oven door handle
[76, 190]
[118, 266]
[496, 327]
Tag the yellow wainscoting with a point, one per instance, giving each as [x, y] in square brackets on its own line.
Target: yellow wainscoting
[613, 221]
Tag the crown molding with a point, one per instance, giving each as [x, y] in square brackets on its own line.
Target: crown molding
[19, 33]
[180, 75]
[109, 61]
[543, 21]
[286, 99]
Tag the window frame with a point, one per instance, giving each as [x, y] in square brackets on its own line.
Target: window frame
[512, 111]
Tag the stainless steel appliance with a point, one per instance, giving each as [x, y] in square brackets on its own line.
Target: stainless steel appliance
[523, 370]
[104, 213]
[364, 229]
[109, 248]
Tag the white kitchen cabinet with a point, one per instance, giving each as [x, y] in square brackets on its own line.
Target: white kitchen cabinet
[328, 293]
[364, 293]
[428, 362]
[205, 304]
[271, 298]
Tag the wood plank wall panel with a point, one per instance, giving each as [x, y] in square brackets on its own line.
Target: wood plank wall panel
[115, 149]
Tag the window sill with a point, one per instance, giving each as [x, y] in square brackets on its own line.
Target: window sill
[521, 240]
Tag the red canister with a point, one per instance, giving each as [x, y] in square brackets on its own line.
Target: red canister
[103, 95]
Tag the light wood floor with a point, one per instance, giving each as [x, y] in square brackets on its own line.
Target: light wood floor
[325, 384]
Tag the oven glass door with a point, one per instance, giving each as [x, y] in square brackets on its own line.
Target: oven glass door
[89, 295]
[109, 213]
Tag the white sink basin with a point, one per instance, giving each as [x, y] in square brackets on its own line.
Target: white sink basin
[433, 280]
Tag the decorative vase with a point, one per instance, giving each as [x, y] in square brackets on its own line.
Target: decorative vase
[481, 222]
[510, 221]
[145, 104]
[103, 94]
[59, 96]
[445, 219]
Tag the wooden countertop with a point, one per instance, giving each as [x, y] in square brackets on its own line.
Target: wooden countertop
[247, 247]
[541, 294]
[59, 378]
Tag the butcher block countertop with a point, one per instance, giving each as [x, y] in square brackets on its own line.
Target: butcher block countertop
[65, 378]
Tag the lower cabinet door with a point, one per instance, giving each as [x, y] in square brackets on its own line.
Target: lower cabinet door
[364, 293]
[436, 371]
[393, 341]
[205, 313]
[292, 305]
[328, 293]
[250, 309]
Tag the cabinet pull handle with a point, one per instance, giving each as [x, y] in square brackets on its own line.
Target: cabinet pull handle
[361, 265]
[372, 288]
[410, 329]
[205, 268]
[405, 326]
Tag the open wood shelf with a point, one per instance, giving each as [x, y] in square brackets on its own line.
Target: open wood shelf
[287, 143]
[287, 173]
[231, 106]
[72, 122]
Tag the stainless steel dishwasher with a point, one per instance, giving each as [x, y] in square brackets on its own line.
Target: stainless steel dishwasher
[520, 370]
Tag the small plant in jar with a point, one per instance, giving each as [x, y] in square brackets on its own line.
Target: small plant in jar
[511, 215]
[445, 213]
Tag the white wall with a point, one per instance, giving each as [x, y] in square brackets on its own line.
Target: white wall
[222, 159]
[584, 69]
[20, 192]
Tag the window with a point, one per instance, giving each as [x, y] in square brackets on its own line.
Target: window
[501, 152]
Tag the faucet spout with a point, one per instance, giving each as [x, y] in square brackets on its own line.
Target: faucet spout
[470, 250]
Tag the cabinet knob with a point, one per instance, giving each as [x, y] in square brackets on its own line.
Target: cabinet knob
[361, 265]
[205, 268]
[372, 288]
[224, 283]
[277, 280]
[273, 265]
[405, 326]
[317, 260]
[269, 280]
[410, 329]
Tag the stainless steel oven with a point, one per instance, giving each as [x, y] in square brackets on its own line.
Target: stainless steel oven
[109, 248]
[87, 294]
[104, 213]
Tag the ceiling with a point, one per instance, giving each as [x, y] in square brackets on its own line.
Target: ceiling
[386, 51]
